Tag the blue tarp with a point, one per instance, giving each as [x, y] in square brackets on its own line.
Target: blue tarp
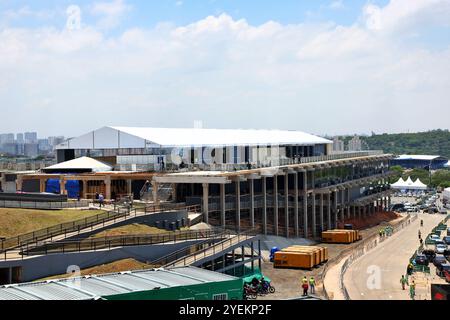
[72, 187]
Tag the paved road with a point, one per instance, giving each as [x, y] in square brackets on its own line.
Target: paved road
[389, 259]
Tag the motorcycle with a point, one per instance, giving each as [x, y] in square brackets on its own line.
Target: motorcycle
[250, 292]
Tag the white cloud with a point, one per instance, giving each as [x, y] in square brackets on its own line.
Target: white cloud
[407, 14]
[337, 4]
[227, 72]
[111, 12]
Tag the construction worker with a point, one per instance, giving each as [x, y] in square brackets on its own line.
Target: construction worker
[421, 222]
[305, 288]
[312, 285]
[404, 282]
[420, 234]
[410, 268]
[412, 290]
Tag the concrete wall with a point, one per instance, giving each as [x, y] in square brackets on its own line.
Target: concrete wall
[44, 266]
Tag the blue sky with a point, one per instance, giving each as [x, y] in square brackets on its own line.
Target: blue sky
[150, 13]
[321, 66]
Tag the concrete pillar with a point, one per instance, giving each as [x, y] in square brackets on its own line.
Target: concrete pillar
[335, 208]
[19, 183]
[222, 205]
[130, 189]
[42, 185]
[205, 202]
[343, 205]
[275, 203]
[305, 204]
[264, 194]
[108, 188]
[349, 213]
[252, 202]
[389, 202]
[286, 202]
[238, 205]
[359, 212]
[62, 186]
[314, 217]
[296, 222]
[329, 210]
[85, 187]
[321, 218]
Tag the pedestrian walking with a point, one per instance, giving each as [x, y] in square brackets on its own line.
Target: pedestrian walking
[305, 289]
[101, 198]
[404, 282]
[312, 284]
[412, 290]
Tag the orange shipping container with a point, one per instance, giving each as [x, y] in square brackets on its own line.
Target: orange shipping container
[283, 259]
[314, 250]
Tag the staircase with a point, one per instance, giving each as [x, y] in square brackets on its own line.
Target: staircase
[164, 192]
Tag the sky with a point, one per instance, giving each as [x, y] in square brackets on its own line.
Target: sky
[322, 66]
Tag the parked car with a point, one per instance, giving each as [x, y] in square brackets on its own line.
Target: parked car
[440, 248]
[446, 239]
[448, 231]
[422, 260]
[446, 275]
[439, 259]
[430, 254]
[440, 269]
[436, 242]
[434, 237]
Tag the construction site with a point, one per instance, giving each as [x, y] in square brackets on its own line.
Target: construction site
[176, 198]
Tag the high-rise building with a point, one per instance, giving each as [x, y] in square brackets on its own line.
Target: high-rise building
[338, 145]
[355, 144]
[31, 137]
[20, 139]
[31, 150]
[7, 138]
[53, 141]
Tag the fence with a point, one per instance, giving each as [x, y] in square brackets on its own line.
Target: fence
[232, 239]
[89, 222]
[63, 228]
[95, 244]
[366, 246]
[43, 205]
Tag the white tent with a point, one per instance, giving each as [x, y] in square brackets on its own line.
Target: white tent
[419, 185]
[399, 184]
[84, 164]
[408, 184]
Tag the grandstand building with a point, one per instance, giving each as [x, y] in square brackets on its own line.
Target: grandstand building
[280, 182]
[428, 162]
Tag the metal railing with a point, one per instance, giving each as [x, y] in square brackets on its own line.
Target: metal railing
[233, 239]
[255, 165]
[43, 205]
[109, 242]
[86, 223]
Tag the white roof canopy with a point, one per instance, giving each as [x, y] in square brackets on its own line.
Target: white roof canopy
[134, 137]
[83, 163]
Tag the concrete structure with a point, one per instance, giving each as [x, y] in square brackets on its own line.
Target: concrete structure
[280, 182]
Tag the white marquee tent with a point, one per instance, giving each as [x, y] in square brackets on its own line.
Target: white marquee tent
[408, 184]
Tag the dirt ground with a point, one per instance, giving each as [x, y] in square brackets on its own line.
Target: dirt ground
[116, 266]
[287, 281]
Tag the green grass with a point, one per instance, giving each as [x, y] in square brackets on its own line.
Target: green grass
[14, 222]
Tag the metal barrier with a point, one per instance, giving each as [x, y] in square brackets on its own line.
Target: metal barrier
[365, 246]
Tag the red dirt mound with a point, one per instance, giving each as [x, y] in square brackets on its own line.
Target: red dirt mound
[370, 221]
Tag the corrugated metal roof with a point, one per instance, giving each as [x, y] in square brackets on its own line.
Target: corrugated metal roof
[92, 287]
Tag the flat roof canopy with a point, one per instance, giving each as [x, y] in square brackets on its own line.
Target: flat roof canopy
[135, 137]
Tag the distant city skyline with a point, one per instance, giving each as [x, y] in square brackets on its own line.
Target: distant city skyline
[323, 67]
